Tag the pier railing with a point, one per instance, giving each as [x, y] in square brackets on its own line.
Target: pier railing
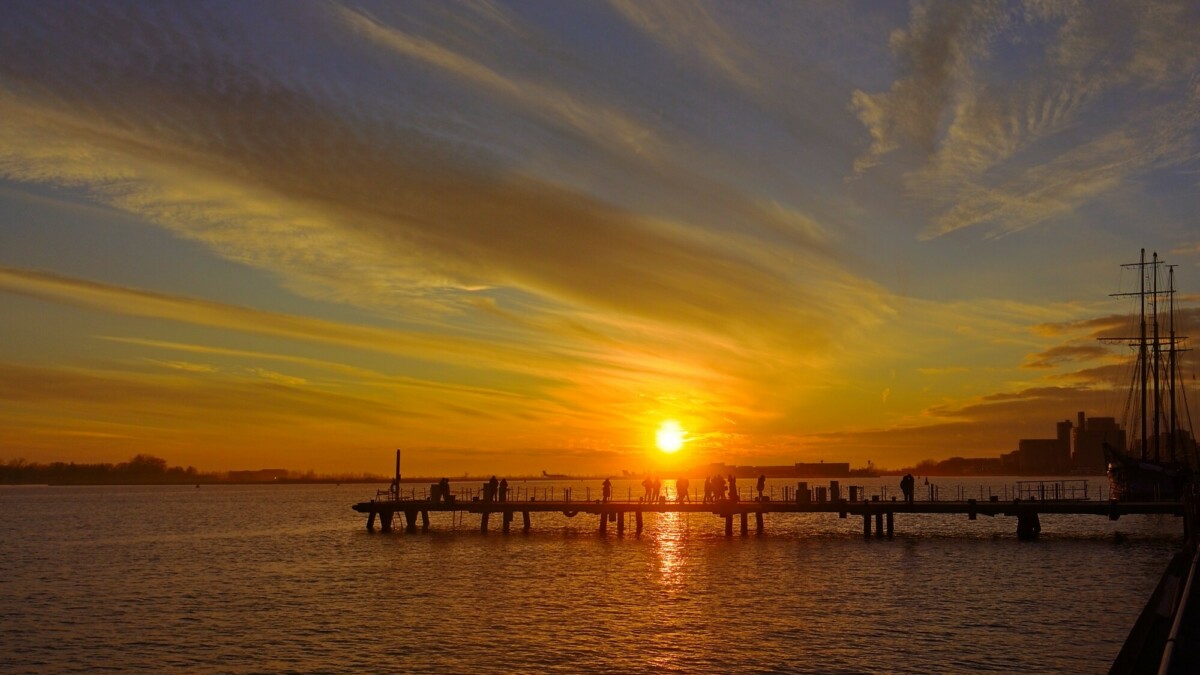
[1040, 490]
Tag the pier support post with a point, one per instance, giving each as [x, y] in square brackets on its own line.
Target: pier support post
[879, 524]
[385, 521]
[525, 517]
[745, 523]
[639, 520]
[889, 524]
[620, 523]
[1029, 526]
[508, 516]
[410, 521]
[483, 522]
[371, 521]
[758, 521]
[729, 524]
[603, 523]
[867, 525]
[424, 521]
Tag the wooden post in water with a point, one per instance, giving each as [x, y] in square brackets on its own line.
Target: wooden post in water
[639, 520]
[729, 524]
[371, 521]
[603, 523]
[483, 520]
[385, 521]
[410, 521]
[889, 524]
[879, 524]
[745, 523]
[620, 523]
[758, 521]
[867, 525]
[508, 516]
[424, 521]
[525, 516]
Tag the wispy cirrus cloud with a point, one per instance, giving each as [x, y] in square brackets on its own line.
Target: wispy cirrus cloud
[1005, 142]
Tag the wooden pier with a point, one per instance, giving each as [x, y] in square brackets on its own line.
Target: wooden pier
[1027, 512]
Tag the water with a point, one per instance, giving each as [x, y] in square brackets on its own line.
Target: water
[278, 578]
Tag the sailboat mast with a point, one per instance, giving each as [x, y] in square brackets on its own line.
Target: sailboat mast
[1173, 423]
[1156, 360]
[1142, 344]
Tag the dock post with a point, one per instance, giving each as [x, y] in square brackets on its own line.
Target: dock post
[620, 523]
[424, 521]
[385, 521]
[525, 516]
[639, 520]
[889, 524]
[729, 524]
[410, 521]
[603, 523]
[483, 522]
[879, 524]
[971, 515]
[1029, 526]
[371, 521]
[745, 523]
[867, 525]
[508, 516]
[758, 521]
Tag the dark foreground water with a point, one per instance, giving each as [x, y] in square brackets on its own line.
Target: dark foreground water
[284, 578]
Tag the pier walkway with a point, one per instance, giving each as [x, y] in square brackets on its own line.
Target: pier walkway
[1027, 512]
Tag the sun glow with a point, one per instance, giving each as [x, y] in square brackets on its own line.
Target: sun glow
[670, 436]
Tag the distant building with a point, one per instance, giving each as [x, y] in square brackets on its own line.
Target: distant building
[1087, 443]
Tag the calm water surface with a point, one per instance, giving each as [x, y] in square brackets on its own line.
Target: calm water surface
[279, 578]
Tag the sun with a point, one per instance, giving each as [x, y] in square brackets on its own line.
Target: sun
[670, 436]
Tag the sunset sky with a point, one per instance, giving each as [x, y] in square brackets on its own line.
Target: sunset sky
[508, 238]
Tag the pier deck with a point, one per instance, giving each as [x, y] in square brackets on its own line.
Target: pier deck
[1026, 511]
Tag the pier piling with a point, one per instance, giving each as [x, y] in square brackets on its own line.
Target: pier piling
[867, 525]
[424, 521]
[620, 523]
[890, 524]
[879, 524]
[525, 517]
[745, 523]
[639, 521]
[758, 521]
[729, 524]
[603, 523]
[483, 522]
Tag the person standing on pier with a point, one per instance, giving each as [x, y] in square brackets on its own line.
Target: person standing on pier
[707, 489]
[444, 484]
[762, 483]
[681, 490]
[908, 487]
[606, 489]
[490, 493]
[503, 489]
[657, 490]
[718, 488]
[733, 493]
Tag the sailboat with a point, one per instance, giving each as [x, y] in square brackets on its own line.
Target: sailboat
[1162, 453]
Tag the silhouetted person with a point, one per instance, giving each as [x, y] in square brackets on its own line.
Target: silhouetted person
[445, 485]
[492, 484]
[718, 488]
[648, 487]
[733, 494]
[908, 487]
[762, 483]
[503, 489]
[681, 490]
[657, 490]
[606, 489]
[707, 489]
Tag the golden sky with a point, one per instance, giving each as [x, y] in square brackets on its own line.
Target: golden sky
[508, 238]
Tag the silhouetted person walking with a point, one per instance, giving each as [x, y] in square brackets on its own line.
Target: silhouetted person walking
[606, 489]
[762, 483]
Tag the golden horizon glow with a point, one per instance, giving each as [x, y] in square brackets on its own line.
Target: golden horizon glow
[670, 437]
